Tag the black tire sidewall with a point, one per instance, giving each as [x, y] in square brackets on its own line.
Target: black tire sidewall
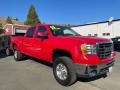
[19, 55]
[70, 69]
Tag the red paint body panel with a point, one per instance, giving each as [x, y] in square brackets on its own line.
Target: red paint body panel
[43, 49]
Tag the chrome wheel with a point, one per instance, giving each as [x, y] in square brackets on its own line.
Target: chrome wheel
[61, 71]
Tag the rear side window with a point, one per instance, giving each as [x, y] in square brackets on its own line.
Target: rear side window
[30, 32]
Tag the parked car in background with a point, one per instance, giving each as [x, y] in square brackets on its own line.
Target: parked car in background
[5, 44]
[116, 42]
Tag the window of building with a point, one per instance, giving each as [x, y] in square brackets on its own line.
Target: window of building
[106, 34]
[96, 35]
[89, 34]
[30, 32]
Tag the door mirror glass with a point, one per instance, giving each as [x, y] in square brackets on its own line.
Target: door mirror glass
[42, 32]
[43, 35]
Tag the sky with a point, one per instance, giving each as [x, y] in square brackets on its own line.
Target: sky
[63, 11]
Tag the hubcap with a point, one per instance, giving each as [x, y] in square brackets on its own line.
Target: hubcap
[61, 71]
[15, 54]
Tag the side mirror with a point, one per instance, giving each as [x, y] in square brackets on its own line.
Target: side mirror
[42, 35]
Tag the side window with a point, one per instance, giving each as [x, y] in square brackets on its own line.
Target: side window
[67, 31]
[41, 31]
[30, 32]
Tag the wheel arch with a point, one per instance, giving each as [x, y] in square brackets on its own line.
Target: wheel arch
[60, 52]
[14, 46]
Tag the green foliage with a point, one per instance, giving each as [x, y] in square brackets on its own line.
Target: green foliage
[2, 31]
[32, 17]
[1, 25]
[9, 21]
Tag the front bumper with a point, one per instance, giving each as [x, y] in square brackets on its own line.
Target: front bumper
[86, 71]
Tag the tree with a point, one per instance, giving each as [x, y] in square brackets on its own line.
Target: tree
[2, 31]
[32, 17]
[8, 20]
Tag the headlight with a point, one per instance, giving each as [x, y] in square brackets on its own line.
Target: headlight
[88, 49]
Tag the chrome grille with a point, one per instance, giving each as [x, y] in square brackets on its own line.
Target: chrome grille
[104, 49]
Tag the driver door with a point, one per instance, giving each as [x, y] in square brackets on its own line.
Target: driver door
[41, 45]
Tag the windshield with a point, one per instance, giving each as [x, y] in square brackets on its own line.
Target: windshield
[62, 31]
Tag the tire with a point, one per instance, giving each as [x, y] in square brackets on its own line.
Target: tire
[7, 51]
[104, 75]
[68, 75]
[17, 55]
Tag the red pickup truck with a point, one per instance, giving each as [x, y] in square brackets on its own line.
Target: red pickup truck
[71, 54]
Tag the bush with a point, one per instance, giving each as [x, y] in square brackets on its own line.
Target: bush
[2, 31]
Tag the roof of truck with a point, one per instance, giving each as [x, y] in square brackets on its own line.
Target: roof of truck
[52, 24]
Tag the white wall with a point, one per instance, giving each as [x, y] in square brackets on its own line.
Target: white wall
[108, 28]
[116, 28]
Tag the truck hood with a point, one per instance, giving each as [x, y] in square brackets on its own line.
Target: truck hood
[86, 39]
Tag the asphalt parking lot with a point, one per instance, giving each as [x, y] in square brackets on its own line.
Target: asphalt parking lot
[32, 75]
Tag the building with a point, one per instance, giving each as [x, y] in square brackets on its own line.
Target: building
[15, 29]
[106, 29]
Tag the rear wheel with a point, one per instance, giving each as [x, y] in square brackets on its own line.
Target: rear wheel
[63, 71]
[17, 55]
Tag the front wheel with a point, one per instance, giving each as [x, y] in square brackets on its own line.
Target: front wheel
[17, 55]
[63, 71]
